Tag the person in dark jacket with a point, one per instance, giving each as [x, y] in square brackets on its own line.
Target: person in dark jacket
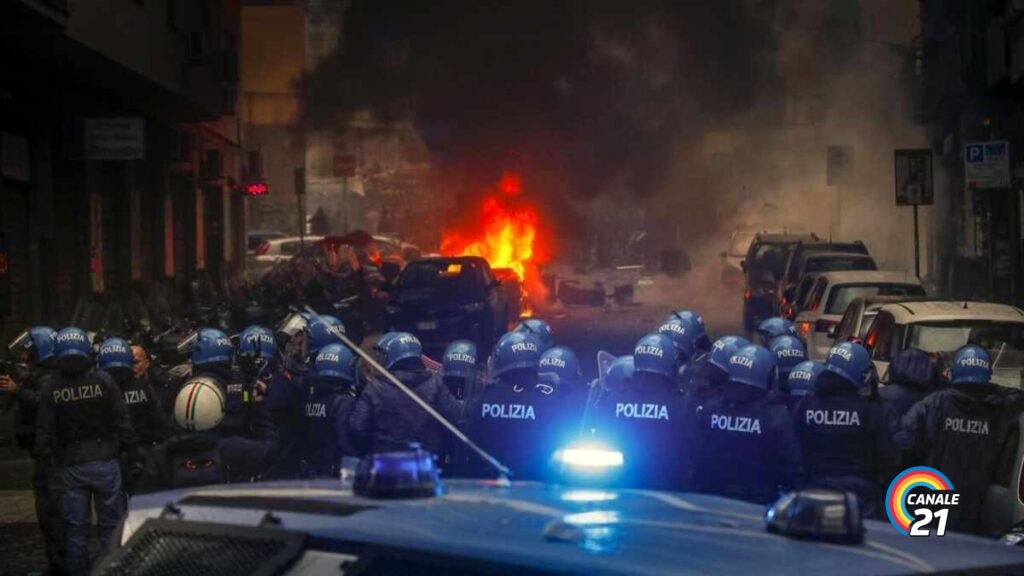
[81, 431]
[801, 381]
[789, 351]
[646, 420]
[327, 412]
[912, 376]
[959, 432]
[559, 370]
[846, 435]
[459, 368]
[515, 420]
[244, 410]
[742, 442]
[35, 347]
[386, 419]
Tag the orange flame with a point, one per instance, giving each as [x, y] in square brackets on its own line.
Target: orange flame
[504, 232]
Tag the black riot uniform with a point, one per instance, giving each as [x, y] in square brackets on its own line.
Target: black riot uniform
[325, 426]
[847, 440]
[518, 423]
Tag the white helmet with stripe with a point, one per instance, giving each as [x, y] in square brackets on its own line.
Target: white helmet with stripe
[199, 405]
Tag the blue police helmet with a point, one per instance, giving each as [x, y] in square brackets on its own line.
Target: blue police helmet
[259, 342]
[753, 366]
[115, 353]
[789, 351]
[516, 351]
[323, 331]
[401, 346]
[459, 359]
[724, 348]
[335, 361]
[772, 328]
[690, 317]
[851, 361]
[540, 329]
[72, 341]
[38, 340]
[619, 374]
[382, 344]
[971, 365]
[212, 346]
[803, 377]
[560, 365]
[683, 334]
[656, 354]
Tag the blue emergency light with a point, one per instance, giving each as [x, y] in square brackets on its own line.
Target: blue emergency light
[587, 463]
[817, 514]
[394, 475]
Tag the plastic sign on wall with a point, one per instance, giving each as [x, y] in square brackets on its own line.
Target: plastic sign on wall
[987, 165]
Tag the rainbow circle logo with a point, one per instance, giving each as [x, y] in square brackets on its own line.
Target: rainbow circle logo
[896, 497]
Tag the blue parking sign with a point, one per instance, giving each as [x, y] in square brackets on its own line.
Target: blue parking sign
[975, 153]
[987, 165]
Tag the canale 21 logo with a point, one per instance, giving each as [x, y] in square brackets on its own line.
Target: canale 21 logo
[919, 500]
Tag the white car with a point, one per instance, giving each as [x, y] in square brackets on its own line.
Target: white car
[832, 292]
[279, 249]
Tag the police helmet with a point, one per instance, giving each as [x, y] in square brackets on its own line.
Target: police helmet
[212, 346]
[803, 377]
[258, 342]
[754, 366]
[771, 328]
[852, 362]
[683, 334]
[459, 360]
[72, 341]
[115, 353]
[335, 361]
[199, 405]
[620, 374]
[39, 340]
[516, 351]
[789, 351]
[540, 329]
[912, 365]
[971, 365]
[382, 344]
[402, 346]
[724, 348]
[559, 365]
[655, 354]
[323, 331]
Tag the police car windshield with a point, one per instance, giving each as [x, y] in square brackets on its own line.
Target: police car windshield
[1003, 341]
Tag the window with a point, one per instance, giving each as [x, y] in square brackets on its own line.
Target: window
[841, 296]
[289, 248]
[846, 325]
[813, 299]
[836, 264]
[879, 338]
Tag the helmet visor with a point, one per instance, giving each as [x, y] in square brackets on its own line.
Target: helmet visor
[293, 324]
[186, 346]
[20, 343]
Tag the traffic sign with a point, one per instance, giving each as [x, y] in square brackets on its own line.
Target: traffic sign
[914, 184]
[987, 165]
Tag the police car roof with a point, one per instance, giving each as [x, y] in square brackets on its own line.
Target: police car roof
[647, 532]
[951, 310]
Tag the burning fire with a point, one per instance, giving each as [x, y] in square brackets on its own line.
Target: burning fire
[505, 233]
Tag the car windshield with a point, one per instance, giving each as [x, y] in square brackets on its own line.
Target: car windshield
[838, 264]
[770, 257]
[842, 296]
[439, 275]
[1004, 342]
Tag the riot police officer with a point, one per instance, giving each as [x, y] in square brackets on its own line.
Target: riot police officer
[912, 376]
[36, 347]
[213, 357]
[283, 393]
[742, 442]
[702, 344]
[802, 380]
[323, 330]
[82, 428]
[559, 370]
[709, 371]
[959, 432]
[789, 351]
[846, 434]
[458, 368]
[540, 329]
[327, 410]
[683, 334]
[385, 418]
[645, 420]
[513, 418]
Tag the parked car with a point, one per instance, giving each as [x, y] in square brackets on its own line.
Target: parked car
[278, 249]
[762, 268]
[831, 294]
[861, 313]
[793, 270]
[256, 238]
[445, 299]
[733, 256]
[813, 266]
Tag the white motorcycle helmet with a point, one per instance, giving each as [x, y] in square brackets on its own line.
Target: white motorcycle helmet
[199, 405]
